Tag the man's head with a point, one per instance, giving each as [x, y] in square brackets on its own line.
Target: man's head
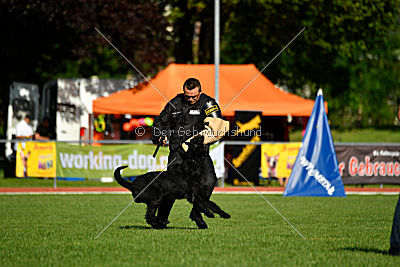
[46, 122]
[192, 90]
[28, 119]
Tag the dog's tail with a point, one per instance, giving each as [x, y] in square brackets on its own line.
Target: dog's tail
[120, 180]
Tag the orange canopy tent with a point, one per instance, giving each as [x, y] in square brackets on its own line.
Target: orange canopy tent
[237, 92]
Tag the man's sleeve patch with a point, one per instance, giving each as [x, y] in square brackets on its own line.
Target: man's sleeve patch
[211, 109]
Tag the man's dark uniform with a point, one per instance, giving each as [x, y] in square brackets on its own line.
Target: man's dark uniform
[45, 131]
[395, 235]
[180, 121]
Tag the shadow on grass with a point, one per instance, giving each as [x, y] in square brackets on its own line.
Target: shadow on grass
[141, 227]
[366, 250]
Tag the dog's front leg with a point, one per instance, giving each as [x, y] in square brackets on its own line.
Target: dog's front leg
[216, 209]
[203, 207]
[202, 203]
[195, 215]
[151, 215]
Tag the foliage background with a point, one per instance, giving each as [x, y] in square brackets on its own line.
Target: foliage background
[350, 49]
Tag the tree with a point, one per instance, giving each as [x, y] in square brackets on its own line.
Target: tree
[50, 39]
[332, 53]
[44, 33]
[374, 86]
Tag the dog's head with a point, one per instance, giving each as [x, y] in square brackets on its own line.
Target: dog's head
[196, 148]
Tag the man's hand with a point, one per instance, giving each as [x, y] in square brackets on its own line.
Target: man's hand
[39, 137]
[164, 141]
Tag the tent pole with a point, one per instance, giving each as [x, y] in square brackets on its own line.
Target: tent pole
[216, 48]
[91, 128]
[216, 56]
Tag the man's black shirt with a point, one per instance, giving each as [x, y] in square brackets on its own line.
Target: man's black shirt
[45, 132]
[180, 120]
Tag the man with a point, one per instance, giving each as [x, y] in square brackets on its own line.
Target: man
[394, 249]
[23, 130]
[43, 131]
[182, 118]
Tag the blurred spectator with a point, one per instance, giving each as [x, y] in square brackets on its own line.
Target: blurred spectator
[44, 131]
[23, 130]
[395, 235]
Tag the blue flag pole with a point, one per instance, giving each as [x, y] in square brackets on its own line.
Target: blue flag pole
[315, 171]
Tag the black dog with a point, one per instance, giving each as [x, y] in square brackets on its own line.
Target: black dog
[183, 180]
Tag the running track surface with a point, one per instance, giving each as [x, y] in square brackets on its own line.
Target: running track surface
[217, 190]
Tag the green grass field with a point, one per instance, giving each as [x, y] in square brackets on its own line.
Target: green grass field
[60, 230]
[43, 182]
[40, 182]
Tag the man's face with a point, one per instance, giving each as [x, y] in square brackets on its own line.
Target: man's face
[192, 96]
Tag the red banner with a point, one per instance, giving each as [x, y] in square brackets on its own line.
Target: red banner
[369, 164]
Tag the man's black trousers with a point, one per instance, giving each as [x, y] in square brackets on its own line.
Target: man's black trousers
[209, 177]
[395, 236]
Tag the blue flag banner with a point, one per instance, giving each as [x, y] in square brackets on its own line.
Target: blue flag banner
[316, 171]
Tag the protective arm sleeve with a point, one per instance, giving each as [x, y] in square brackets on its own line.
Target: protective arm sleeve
[215, 125]
[161, 125]
[215, 129]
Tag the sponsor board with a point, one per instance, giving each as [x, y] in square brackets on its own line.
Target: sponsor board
[101, 161]
[277, 159]
[369, 164]
[36, 160]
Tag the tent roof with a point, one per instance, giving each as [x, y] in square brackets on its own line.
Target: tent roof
[257, 95]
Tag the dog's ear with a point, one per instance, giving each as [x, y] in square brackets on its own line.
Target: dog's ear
[205, 148]
[201, 138]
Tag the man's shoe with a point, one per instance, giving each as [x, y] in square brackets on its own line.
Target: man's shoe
[394, 252]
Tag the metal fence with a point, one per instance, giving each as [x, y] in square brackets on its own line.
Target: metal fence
[4, 160]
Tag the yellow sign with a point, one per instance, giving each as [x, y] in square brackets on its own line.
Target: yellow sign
[211, 110]
[254, 123]
[20, 167]
[246, 152]
[36, 160]
[277, 160]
